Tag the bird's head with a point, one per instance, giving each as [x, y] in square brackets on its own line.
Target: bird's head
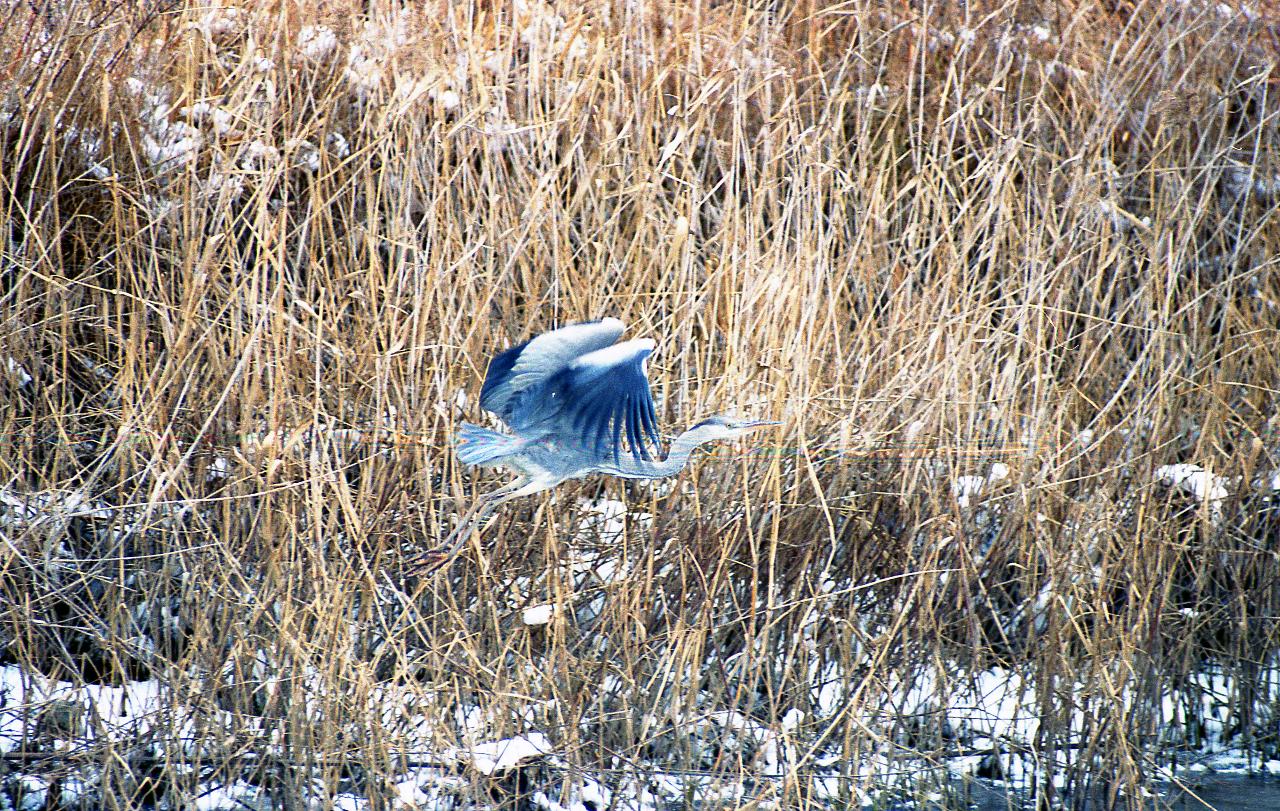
[724, 427]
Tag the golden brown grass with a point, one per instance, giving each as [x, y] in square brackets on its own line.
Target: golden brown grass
[1041, 234]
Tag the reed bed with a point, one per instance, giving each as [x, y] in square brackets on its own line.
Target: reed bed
[1005, 270]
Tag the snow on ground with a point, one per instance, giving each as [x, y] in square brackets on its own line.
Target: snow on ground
[506, 754]
[1198, 483]
[990, 714]
[16, 372]
[969, 488]
[131, 708]
[994, 712]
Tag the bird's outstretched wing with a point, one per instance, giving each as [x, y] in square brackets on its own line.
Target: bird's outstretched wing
[603, 398]
[519, 374]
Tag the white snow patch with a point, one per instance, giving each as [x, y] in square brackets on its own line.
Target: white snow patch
[34, 791]
[499, 756]
[913, 431]
[204, 112]
[337, 144]
[538, 615]
[173, 145]
[447, 99]
[303, 154]
[350, 802]
[968, 488]
[219, 468]
[220, 22]
[16, 372]
[1197, 482]
[316, 42]
[239, 795]
[258, 153]
[1275, 482]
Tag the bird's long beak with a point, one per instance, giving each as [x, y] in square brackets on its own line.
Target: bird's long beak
[759, 424]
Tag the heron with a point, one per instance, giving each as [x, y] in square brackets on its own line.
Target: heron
[577, 403]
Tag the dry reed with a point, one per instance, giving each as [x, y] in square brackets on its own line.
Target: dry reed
[256, 257]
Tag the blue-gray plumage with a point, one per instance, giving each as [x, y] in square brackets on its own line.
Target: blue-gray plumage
[577, 402]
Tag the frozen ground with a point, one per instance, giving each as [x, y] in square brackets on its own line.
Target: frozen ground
[989, 721]
[994, 716]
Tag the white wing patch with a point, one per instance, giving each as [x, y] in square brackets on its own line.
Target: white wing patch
[615, 355]
[555, 349]
[541, 358]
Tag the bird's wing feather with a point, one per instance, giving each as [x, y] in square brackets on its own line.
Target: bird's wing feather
[524, 368]
[603, 398]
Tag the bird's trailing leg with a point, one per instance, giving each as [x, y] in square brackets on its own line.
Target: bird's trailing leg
[483, 507]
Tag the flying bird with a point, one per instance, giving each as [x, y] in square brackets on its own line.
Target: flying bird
[577, 403]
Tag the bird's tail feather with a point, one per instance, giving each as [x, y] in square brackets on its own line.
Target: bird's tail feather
[480, 446]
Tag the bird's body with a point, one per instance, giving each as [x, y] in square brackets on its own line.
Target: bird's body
[577, 403]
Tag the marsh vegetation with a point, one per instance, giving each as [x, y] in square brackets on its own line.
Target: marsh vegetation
[1005, 270]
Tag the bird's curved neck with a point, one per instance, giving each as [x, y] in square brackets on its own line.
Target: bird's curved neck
[681, 448]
